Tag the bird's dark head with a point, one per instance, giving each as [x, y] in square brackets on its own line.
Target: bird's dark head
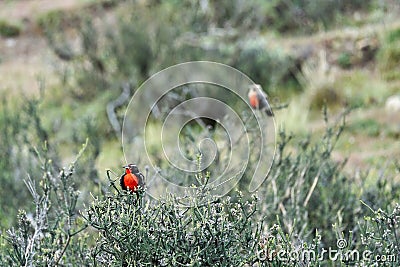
[132, 167]
[255, 87]
[252, 88]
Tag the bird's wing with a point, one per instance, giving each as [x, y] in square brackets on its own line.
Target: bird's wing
[141, 178]
[260, 91]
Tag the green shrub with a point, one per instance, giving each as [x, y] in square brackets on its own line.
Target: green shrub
[344, 60]
[136, 46]
[325, 95]
[17, 130]
[267, 67]
[393, 36]
[56, 20]
[209, 232]
[133, 230]
[317, 205]
[377, 243]
[389, 55]
[22, 125]
[309, 191]
[306, 189]
[307, 16]
[307, 204]
[8, 29]
[380, 236]
[369, 127]
[51, 234]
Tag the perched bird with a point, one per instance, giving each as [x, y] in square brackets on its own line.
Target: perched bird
[132, 178]
[258, 99]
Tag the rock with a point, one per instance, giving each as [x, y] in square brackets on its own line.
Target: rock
[393, 104]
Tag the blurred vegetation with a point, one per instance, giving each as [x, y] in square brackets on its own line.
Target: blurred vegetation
[389, 55]
[8, 29]
[304, 16]
[308, 202]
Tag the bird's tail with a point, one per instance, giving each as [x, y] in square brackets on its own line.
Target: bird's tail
[269, 112]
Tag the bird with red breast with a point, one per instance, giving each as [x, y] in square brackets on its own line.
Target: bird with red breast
[132, 178]
[258, 99]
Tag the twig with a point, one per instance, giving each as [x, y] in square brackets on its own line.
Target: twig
[57, 260]
[314, 184]
[111, 106]
[112, 182]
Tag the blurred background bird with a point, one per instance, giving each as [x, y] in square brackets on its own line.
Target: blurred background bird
[258, 99]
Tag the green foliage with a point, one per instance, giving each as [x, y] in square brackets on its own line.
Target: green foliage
[393, 36]
[306, 190]
[49, 236]
[312, 197]
[368, 126]
[266, 66]
[306, 194]
[344, 60]
[110, 54]
[22, 125]
[309, 191]
[307, 16]
[325, 95]
[8, 29]
[18, 131]
[389, 55]
[136, 46]
[209, 232]
[51, 20]
[380, 236]
[135, 50]
[357, 90]
[292, 251]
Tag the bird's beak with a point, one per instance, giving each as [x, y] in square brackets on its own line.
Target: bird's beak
[125, 167]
